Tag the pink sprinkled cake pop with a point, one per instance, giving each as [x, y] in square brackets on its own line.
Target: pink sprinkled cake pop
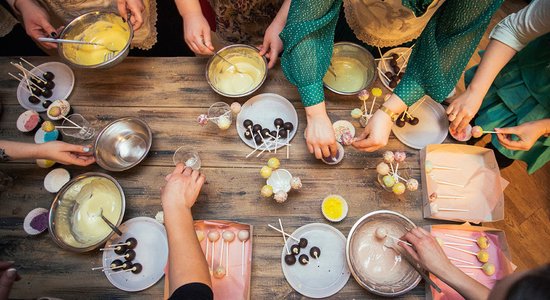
[400, 156]
[388, 157]
[202, 120]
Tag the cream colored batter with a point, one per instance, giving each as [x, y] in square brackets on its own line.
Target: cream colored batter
[111, 32]
[350, 75]
[233, 81]
[78, 219]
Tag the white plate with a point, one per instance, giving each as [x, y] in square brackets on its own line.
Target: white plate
[431, 129]
[151, 253]
[64, 83]
[331, 274]
[263, 109]
[400, 63]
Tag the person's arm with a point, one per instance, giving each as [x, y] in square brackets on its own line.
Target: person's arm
[36, 21]
[196, 31]
[527, 134]
[135, 8]
[436, 63]
[186, 261]
[507, 38]
[308, 39]
[430, 255]
[272, 44]
[61, 152]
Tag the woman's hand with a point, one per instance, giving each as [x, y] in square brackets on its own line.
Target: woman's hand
[376, 133]
[135, 8]
[427, 251]
[196, 33]
[182, 189]
[64, 153]
[461, 111]
[37, 22]
[320, 137]
[528, 133]
[273, 45]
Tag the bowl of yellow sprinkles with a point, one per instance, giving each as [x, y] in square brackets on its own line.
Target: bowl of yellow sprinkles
[334, 208]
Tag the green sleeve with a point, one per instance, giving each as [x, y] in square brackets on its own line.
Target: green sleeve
[308, 39]
[444, 48]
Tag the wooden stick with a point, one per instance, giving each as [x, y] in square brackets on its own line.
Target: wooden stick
[372, 106]
[399, 240]
[284, 237]
[277, 229]
[41, 71]
[287, 142]
[418, 105]
[263, 139]
[221, 254]
[383, 74]
[26, 86]
[449, 183]
[380, 51]
[461, 260]
[29, 83]
[461, 238]
[462, 250]
[277, 138]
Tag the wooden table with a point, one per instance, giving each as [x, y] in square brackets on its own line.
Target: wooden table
[169, 94]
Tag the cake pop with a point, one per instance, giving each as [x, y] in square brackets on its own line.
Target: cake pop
[48, 126]
[46, 103]
[200, 235]
[482, 255]
[383, 168]
[400, 156]
[412, 184]
[363, 95]
[54, 112]
[388, 181]
[219, 272]
[303, 259]
[380, 233]
[130, 243]
[283, 134]
[235, 108]
[115, 265]
[388, 157]
[202, 119]
[224, 122]
[279, 122]
[280, 196]
[487, 268]
[273, 163]
[296, 183]
[290, 259]
[243, 236]
[398, 188]
[302, 243]
[33, 99]
[266, 191]
[315, 252]
[247, 123]
[265, 172]
[265, 133]
[248, 135]
[135, 268]
[128, 255]
[356, 113]
[482, 241]
[288, 126]
[376, 92]
[295, 249]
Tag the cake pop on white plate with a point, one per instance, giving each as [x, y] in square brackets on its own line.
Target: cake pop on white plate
[243, 236]
[228, 236]
[213, 237]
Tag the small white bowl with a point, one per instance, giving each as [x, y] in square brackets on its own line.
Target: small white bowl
[344, 208]
[335, 160]
[280, 181]
[56, 179]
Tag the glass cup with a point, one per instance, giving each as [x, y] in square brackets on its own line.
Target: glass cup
[190, 159]
[220, 114]
[76, 126]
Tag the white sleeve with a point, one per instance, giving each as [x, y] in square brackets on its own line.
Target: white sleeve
[518, 29]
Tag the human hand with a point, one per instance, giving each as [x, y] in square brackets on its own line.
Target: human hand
[64, 153]
[461, 111]
[182, 189]
[273, 45]
[376, 133]
[528, 133]
[426, 251]
[196, 33]
[135, 8]
[37, 22]
[8, 275]
[320, 137]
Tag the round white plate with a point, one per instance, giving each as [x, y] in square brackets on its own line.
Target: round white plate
[56, 179]
[323, 278]
[432, 128]
[381, 63]
[263, 109]
[64, 83]
[151, 253]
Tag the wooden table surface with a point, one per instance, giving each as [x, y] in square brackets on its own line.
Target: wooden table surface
[169, 93]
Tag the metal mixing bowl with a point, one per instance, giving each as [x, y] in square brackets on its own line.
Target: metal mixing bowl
[354, 51]
[236, 50]
[64, 206]
[358, 240]
[123, 144]
[78, 25]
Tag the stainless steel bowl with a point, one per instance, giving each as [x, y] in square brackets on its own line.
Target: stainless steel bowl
[64, 206]
[360, 242]
[364, 57]
[78, 25]
[236, 50]
[123, 144]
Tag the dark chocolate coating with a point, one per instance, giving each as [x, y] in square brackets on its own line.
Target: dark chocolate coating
[283, 134]
[265, 133]
[303, 259]
[295, 249]
[115, 263]
[130, 255]
[36, 91]
[132, 243]
[256, 128]
[315, 252]
[248, 135]
[274, 133]
[136, 268]
[46, 103]
[414, 121]
[394, 56]
[127, 265]
[302, 243]
[393, 63]
[399, 122]
[290, 259]
[278, 122]
[288, 126]
[258, 140]
[34, 100]
[50, 84]
[392, 84]
[120, 250]
[47, 93]
[389, 74]
[48, 75]
[247, 123]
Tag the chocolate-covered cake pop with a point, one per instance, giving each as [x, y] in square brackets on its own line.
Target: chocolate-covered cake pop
[315, 252]
[48, 75]
[120, 250]
[283, 133]
[274, 133]
[414, 121]
[303, 259]
[247, 123]
[258, 139]
[265, 133]
[288, 126]
[115, 264]
[47, 93]
[46, 103]
[136, 268]
[295, 249]
[247, 135]
[279, 122]
[34, 100]
[127, 265]
[302, 243]
[256, 128]
[49, 84]
[290, 259]
[130, 255]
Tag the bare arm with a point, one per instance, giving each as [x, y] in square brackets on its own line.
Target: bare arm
[196, 31]
[60, 152]
[186, 261]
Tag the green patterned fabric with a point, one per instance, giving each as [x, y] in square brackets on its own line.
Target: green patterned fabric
[437, 61]
[520, 94]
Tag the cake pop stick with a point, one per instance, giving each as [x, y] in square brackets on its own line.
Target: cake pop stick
[21, 68]
[487, 268]
[116, 264]
[449, 183]
[442, 242]
[267, 146]
[259, 133]
[228, 236]
[276, 139]
[380, 52]
[417, 105]
[26, 85]
[131, 243]
[24, 60]
[243, 236]
[406, 52]
[221, 255]
[460, 260]
[364, 96]
[477, 131]
[288, 144]
[383, 73]
[135, 268]
[129, 255]
[213, 236]
[30, 83]
[482, 241]
[482, 255]
[434, 196]
[286, 234]
[284, 237]
[435, 208]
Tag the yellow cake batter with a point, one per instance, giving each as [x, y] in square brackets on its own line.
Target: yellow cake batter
[111, 32]
[233, 81]
[350, 75]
